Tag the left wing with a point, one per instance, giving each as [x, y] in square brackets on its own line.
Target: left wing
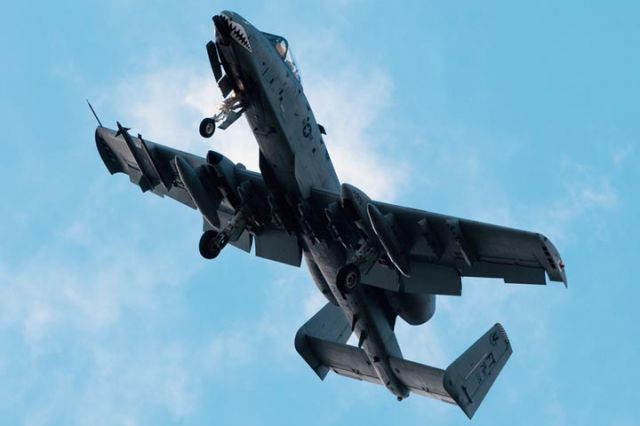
[157, 168]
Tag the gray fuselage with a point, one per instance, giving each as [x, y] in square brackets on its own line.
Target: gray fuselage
[295, 160]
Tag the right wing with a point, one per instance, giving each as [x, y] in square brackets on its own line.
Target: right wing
[153, 168]
[437, 250]
[476, 249]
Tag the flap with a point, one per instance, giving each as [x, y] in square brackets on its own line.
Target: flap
[278, 246]
[426, 278]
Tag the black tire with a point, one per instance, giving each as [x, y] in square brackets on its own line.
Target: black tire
[208, 246]
[348, 278]
[207, 127]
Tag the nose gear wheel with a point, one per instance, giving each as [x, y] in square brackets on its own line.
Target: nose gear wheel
[229, 110]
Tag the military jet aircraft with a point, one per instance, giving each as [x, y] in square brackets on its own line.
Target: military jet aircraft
[373, 261]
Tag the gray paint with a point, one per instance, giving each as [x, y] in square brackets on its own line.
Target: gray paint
[405, 257]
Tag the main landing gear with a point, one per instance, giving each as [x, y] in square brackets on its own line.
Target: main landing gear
[348, 278]
[211, 243]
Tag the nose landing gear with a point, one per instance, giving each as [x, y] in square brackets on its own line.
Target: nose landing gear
[207, 127]
[229, 111]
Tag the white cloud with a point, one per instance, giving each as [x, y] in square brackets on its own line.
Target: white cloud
[313, 303]
[231, 348]
[167, 105]
[72, 311]
[585, 192]
[622, 154]
[123, 386]
[351, 106]
[112, 319]
[423, 344]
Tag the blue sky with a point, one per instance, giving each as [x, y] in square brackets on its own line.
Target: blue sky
[521, 114]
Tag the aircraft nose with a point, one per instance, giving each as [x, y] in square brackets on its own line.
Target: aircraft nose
[228, 28]
[222, 24]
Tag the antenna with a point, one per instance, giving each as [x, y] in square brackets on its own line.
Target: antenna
[94, 113]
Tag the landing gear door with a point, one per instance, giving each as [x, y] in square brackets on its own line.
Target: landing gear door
[212, 52]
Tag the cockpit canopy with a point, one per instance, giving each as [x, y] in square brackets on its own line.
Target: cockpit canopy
[282, 47]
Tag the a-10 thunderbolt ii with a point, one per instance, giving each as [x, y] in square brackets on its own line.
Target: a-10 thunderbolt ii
[373, 261]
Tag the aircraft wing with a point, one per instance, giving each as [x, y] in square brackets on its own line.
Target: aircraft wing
[440, 249]
[154, 167]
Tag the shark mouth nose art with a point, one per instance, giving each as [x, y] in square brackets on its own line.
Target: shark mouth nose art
[227, 28]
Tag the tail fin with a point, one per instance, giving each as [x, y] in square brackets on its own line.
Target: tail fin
[331, 329]
[469, 377]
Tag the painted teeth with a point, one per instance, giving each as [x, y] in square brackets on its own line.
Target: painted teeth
[237, 32]
[240, 35]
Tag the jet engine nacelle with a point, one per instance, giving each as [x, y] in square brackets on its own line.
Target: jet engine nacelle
[415, 309]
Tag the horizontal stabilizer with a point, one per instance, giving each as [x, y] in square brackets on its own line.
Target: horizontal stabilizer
[465, 382]
[351, 361]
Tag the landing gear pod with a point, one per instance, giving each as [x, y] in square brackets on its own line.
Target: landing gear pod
[206, 201]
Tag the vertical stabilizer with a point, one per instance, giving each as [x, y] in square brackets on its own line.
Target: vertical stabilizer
[469, 378]
[330, 326]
